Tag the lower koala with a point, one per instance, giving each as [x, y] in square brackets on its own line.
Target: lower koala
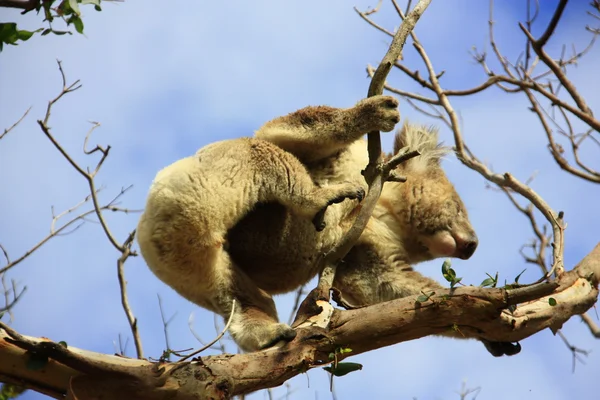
[245, 219]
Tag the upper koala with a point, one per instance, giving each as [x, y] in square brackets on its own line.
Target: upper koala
[247, 218]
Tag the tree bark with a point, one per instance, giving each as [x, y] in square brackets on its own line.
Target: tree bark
[469, 312]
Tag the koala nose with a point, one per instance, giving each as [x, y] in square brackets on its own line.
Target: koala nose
[465, 246]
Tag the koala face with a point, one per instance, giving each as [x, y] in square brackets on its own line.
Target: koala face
[426, 211]
[437, 217]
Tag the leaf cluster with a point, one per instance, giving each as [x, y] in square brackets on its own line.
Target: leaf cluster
[67, 11]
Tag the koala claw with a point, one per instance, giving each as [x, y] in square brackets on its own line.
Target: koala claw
[284, 332]
[499, 349]
[358, 194]
[319, 220]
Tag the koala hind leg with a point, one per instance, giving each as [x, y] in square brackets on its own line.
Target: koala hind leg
[254, 323]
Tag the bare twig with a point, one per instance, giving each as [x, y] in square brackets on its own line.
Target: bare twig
[220, 347]
[574, 350]
[594, 329]
[89, 175]
[15, 124]
[219, 336]
[299, 293]
[54, 231]
[9, 302]
[541, 241]
[124, 300]
[465, 391]
[165, 323]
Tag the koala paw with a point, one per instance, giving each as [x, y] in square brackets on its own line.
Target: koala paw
[254, 334]
[353, 193]
[379, 112]
[499, 349]
[282, 332]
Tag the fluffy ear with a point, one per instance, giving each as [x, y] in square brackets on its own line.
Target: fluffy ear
[425, 140]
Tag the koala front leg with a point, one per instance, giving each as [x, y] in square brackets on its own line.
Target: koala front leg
[281, 177]
[364, 280]
[314, 133]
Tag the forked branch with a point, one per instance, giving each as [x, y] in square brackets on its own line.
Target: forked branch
[124, 248]
[376, 172]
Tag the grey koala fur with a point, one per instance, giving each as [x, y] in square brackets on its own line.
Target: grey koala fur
[246, 218]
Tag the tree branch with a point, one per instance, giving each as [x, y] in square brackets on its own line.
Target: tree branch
[470, 312]
[375, 173]
[123, 248]
[25, 5]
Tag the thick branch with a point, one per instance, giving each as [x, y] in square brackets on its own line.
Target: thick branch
[26, 5]
[463, 312]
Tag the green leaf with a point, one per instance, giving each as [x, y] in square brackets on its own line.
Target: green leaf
[9, 34]
[24, 35]
[422, 298]
[552, 301]
[63, 343]
[78, 22]
[518, 276]
[343, 368]
[94, 2]
[345, 350]
[47, 11]
[60, 33]
[46, 31]
[75, 7]
[447, 271]
[97, 8]
[9, 391]
[490, 281]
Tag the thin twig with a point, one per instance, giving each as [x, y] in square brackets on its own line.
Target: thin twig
[124, 300]
[299, 293]
[15, 124]
[165, 323]
[124, 248]
[219, 336]
[89, 176]
[55, 231]
[594, 329]
[576, 351]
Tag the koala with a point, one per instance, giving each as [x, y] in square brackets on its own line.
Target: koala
[247, 218]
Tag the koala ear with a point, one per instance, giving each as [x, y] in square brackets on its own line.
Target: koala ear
[400, 139]
[421, 138]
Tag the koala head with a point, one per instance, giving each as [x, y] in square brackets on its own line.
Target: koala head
[426, 211]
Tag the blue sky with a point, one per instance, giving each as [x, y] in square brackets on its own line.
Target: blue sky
[166, 80]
